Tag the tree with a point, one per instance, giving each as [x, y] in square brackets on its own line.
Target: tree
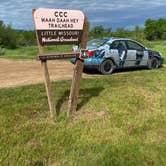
[155, 29]
[8, 37]
[139, 32]
[29, 38]
[97, 31]
[2, 32]
[100, 31]
[162, 28]
[122, 32]
[11, 38]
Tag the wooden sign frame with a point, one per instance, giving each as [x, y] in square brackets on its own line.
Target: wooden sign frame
[78, 69]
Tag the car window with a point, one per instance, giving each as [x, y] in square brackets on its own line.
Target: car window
[114, 45]
[96, 42]
[120, 45]
[134, 46]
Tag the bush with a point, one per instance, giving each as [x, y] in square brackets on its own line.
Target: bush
[155, 29]
[2, 51]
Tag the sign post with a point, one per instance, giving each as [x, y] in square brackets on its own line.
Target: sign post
[47, 84]
[60, 27]
[78, 69]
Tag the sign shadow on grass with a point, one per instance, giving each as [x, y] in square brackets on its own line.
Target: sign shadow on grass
[85, 96]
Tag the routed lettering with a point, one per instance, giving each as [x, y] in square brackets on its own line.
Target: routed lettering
[58, 26]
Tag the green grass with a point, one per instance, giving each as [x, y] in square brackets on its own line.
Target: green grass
[121, 121]
[31, 52]
[161, 47]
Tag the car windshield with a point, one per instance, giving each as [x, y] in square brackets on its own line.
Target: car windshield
[95, 43]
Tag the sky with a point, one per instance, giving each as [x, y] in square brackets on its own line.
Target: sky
[108, 13]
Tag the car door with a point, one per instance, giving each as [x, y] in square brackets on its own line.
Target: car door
[136, 54]
[117, 51]
[112, 51]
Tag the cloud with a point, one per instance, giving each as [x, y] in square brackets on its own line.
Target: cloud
[114, 13]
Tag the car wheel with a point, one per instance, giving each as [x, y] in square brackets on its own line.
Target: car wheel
[153, 63]
[107, 67]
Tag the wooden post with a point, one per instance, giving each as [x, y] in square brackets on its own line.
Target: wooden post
[81, 26]
[48, 89]
[46, 78]
[78, 68]
[47, 84]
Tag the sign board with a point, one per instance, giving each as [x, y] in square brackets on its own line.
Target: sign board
[81, 55]
[57, 56]
[58, 26]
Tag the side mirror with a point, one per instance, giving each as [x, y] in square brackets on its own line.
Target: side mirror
[83, 54]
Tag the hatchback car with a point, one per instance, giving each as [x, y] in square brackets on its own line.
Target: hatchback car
[119, 53]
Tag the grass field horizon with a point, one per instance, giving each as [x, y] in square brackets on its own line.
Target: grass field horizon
[120, 121]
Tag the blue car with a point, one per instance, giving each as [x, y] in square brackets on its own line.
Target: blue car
[119, 53]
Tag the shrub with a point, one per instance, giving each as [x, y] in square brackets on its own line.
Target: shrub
[2, 51]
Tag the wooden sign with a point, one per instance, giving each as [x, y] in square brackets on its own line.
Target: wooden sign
[57, 56]
[58, 26]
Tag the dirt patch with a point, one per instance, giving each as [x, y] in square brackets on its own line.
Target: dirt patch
[22, 72]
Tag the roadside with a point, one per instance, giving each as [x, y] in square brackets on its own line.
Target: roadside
[25, 72]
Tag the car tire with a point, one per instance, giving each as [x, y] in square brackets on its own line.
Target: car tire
[107, 67]
[153, 63]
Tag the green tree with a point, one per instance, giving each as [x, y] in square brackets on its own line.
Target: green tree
[11, 38]
[138, 32]
[29, 38]
[123, 33]
[162, 28]
[155, 29]
[100, 31]
[8, 37]
[97, 31]
[2, 32]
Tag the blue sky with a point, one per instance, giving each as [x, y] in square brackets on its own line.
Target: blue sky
[109, 13]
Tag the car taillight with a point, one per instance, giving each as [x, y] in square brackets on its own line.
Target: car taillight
[90, 53]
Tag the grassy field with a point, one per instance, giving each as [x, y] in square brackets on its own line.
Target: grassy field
[31, 52]
[121, 120]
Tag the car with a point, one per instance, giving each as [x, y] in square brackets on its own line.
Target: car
[119, 53]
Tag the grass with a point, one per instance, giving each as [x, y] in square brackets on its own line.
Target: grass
[161, 47]
[31, 52]
[121, 121]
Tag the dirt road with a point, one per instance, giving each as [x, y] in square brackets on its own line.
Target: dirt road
[19, 72]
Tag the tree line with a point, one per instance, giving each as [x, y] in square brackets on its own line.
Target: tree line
[152, 30]
[12, 38]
